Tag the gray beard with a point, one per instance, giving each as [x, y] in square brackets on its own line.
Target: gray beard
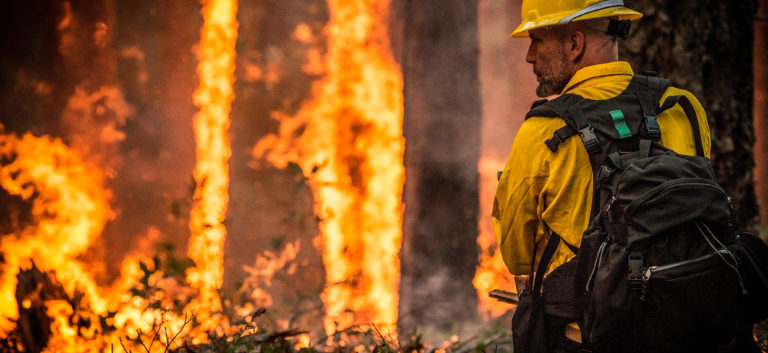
[551, 86]
[553, 81]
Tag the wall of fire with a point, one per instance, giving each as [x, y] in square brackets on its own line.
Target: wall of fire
[113, 84]
[114, 81]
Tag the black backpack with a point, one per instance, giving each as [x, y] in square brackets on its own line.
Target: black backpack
[661, 267]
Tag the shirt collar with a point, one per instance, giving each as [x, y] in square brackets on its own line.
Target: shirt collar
[588, 73]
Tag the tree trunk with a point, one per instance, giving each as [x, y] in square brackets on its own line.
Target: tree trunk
[761, 112]
[706, 47]
[442, 132]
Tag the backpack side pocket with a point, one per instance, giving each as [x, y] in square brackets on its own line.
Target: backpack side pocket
[529, 327]
[690, 303]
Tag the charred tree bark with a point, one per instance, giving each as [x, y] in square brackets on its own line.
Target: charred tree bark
[34, 288]
[156, 73]
[442, 132]
[706, 47]
[761, 112]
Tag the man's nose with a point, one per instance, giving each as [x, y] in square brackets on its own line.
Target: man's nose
[531, 56]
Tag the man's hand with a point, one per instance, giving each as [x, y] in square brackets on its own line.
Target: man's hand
[522, 283]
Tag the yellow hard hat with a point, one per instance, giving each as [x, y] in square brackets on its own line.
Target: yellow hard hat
[543, 13]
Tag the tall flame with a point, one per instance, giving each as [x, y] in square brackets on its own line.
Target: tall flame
[348, 139]
[216, 52]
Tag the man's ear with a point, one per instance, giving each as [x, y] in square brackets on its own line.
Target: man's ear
[575, 45]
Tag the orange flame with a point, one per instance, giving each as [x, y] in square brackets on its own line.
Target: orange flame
[351, 148]
[69, 204]
[491, 272]
[216, 52]
[70, 208]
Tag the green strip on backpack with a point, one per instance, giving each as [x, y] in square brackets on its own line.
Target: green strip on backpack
[620, 124]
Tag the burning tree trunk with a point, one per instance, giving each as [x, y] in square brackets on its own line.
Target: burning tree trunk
[442, 130]
[706, 48]
[156, 70]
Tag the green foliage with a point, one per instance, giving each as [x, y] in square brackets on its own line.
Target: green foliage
[255, 332]
[167, 265]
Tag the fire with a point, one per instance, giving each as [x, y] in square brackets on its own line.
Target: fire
[348, 140]
[261, 273]
[216, 69]
[491, 272]
[70, 208]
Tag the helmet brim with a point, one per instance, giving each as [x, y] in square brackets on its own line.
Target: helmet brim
[621, 12]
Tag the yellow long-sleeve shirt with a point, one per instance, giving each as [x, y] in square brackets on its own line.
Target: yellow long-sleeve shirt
[541, 191]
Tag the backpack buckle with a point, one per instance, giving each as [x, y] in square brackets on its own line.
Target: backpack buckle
[654, 131]
[590, 139]
[635, 269]
[604, 174]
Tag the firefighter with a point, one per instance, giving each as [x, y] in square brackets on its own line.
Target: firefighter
[573, 50]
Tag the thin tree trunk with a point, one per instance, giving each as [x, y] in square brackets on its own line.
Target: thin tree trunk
[761, 112]
[706, 47]
[442, 131]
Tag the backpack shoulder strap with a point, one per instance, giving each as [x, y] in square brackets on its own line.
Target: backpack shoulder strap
[567, 107]
[690, 113]
[649, 90]
[537, 277]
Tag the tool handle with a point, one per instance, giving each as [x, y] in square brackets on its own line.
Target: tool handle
[504, 296]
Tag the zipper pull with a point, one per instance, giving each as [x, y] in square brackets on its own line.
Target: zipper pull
[731, 209]
[646, 276]
[598, 260]
[649, 273]
[607, 209]
[610, 203]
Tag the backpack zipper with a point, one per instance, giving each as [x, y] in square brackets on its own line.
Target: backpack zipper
[598, 260]
[652, 270]
[682, 184]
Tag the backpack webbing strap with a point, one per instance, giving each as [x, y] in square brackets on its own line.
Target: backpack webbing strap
[546, 257]
[559, 137]
[586, 132]
[541, 109]
[573, 248]
[690, 113]
[568, 108]
[571, 111]
[636, 263]
[649, 98]
[649, 114]
[538, 103]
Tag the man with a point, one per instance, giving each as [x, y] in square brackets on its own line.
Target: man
[573, 50]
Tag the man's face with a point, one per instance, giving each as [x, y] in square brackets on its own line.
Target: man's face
[549, 59]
